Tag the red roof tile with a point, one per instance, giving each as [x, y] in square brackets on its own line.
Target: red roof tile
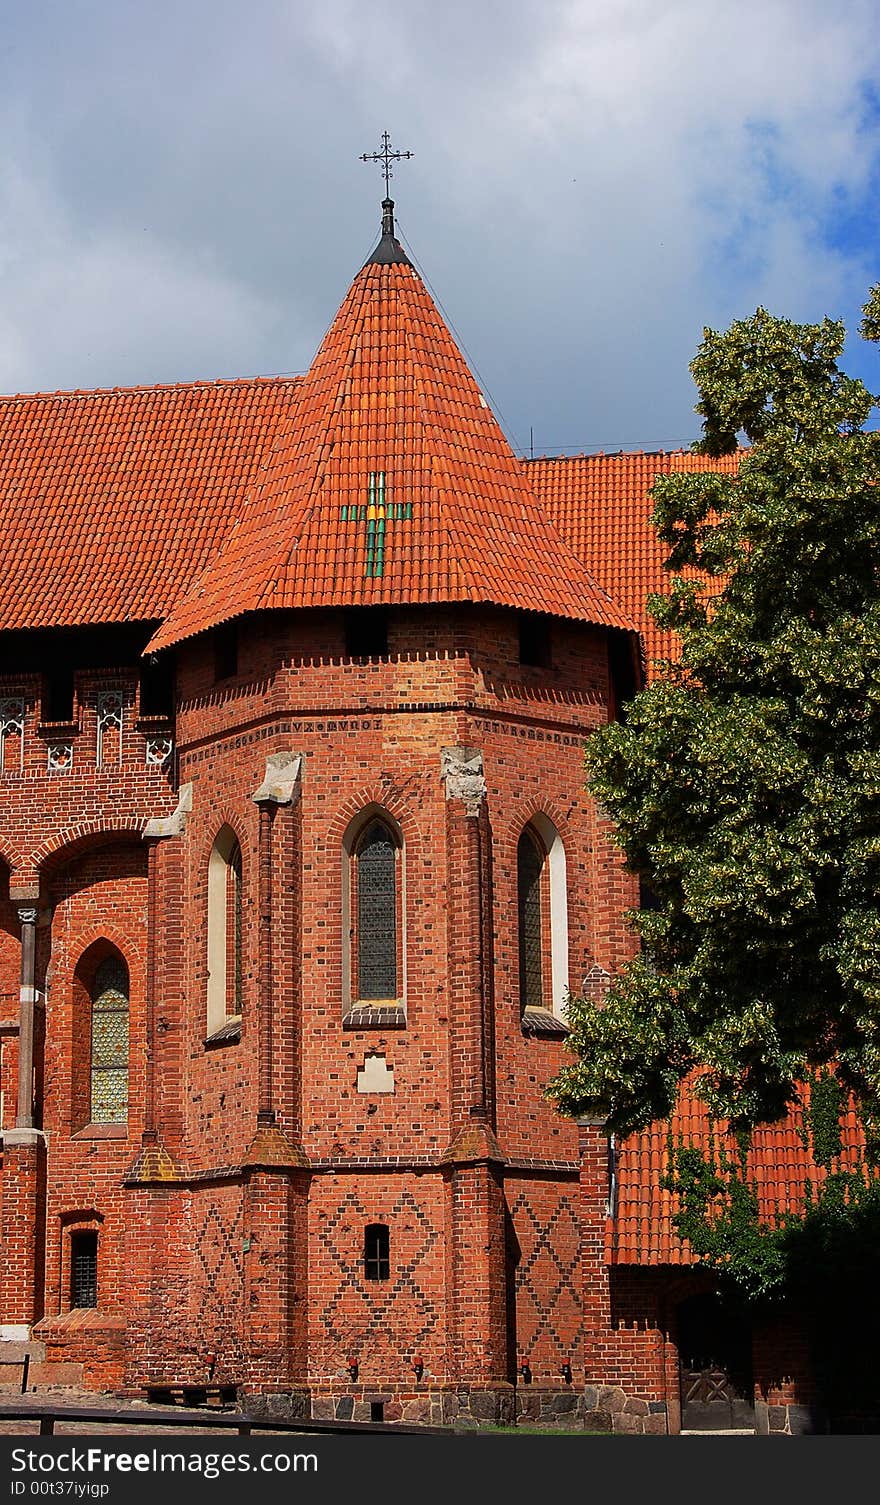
[113, 501]
[389, 395]
[602, 507]
[778, 1164]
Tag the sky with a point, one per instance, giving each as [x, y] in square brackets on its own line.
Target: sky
[592, 183]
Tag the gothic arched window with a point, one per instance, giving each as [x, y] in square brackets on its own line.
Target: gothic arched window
[530, 858]
[542, 917]
[225, 930]
[109, 1047]
[375, 882]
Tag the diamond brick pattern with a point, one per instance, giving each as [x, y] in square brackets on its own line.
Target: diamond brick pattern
[365, 1312]
[216, 1292]
[548, 1312]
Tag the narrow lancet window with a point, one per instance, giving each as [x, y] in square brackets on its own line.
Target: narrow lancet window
[376, 864]
[225, 931]
[530, 859]
[109, 1053]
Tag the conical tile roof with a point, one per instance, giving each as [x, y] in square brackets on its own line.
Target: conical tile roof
[391, 484]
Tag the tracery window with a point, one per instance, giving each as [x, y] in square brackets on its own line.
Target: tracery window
[376, 864]
[109, 1044]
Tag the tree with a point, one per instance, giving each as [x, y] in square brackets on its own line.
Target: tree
[745, 781]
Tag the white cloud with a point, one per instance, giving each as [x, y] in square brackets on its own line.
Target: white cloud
[106, 307]
[593, 181]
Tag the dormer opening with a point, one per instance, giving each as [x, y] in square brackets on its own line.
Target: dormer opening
[534, 640]
[225, 651]
[366, 632]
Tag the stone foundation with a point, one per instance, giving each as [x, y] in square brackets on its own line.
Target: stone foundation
[282, 1405]
[608, 1408]
[463, 1408]
[790, 1420]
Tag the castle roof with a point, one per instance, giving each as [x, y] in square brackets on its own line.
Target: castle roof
[601, 504]
[779, 1165]
[111, 501]
[393, 484]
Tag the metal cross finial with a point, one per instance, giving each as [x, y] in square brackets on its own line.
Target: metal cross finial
[386, 156]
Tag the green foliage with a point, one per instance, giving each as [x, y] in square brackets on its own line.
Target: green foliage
[789, 1255]
[744, 783]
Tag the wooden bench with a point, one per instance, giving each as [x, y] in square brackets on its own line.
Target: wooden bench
[216, 1396]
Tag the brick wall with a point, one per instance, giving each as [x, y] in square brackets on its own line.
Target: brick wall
[231, 1207]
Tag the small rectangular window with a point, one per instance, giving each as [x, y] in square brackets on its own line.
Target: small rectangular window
[84, 1269]
[622, 672]
[534, 640]
[157, 686]
[225, 651]
[377, 1259]
[58, 694]
[366, 632]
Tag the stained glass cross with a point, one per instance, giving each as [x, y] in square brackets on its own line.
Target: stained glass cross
[375, 512]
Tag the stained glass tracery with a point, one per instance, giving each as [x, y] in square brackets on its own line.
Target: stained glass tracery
[376, 859]
[109, 1053]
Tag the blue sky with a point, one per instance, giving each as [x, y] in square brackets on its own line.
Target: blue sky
[593, 182]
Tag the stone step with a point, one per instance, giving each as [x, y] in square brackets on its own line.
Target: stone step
[13, 1352]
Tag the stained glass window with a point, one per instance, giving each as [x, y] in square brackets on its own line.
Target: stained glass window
[376, 859]
[109, 1094]
[529, 867]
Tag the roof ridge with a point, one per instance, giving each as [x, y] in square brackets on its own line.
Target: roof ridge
[199, 383]
[604, 455]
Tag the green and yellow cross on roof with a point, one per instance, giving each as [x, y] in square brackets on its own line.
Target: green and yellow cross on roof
[376, 512]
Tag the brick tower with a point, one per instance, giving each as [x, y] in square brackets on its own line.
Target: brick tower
[296, 877]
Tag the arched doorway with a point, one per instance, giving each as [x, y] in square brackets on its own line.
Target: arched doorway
[715, 1365]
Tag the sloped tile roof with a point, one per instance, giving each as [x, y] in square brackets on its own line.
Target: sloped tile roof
[602, 507]
[448, 514]
[112, 501]
[779, 1165]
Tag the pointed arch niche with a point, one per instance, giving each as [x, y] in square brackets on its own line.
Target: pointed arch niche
[99, 1076]
[373, 911]
[225, 931]
[542, 917]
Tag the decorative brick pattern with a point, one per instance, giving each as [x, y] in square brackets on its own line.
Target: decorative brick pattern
[360, 1317]
[548, 1300]
[230, 1203]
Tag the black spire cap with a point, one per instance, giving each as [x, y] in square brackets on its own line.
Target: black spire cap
[389, 249]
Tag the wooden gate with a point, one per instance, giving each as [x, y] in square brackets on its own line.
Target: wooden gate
[714, 1349]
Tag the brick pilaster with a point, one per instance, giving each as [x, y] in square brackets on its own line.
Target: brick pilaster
[594, 1183]
[22, 1222]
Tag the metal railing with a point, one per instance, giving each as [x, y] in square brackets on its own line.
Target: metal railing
[234, 1421]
